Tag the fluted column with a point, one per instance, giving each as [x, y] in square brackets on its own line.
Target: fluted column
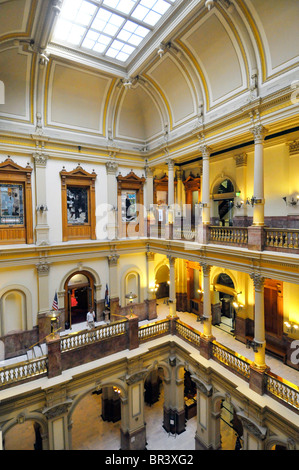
[259, 321]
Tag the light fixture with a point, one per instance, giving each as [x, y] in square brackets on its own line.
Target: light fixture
[161, 50]
[253, 344]
[42, 208]
[253, 201]
[209, 4]
[291, 200]
[131, 297]
[291, 326]
[128, 83]
[117, 390]
[239, 204]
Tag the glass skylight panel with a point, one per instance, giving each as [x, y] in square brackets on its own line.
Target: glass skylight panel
[124, 6]
[114, 28]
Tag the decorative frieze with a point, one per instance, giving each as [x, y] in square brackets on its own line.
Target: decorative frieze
[294, 148]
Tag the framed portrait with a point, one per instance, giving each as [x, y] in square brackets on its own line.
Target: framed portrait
[11, 204]
[77, 205]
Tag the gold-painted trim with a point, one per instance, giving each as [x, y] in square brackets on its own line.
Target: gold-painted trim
[161, 93]
[28, 29]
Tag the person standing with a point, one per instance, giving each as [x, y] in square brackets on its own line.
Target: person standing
[90, 318]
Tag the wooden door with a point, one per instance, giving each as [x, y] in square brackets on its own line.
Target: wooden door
[273, 302]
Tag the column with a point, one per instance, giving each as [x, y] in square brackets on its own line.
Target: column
[44, 322]
[59, 429]
[205, 196]
[149, 196]
[207, 338]
[150, 287]
[133, 433]
[111, 169]
[256, 234]
[181, 286]
[240, 213]
[174, 403]
[169, 225]
[259, 133]
[257, 382]
[113, 283]
[42, 228]
[204, 438]
[172, 292]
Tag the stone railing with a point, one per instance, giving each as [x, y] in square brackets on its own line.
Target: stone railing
[228, 235]
[232, 360]
[152, 330]
[188, 333]
[23, 371]
[282, 390]
[281, 238]
[126, 334]
[84, 338]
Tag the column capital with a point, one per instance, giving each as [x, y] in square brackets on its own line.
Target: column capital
[170, 163]
[206, 269]
[258, 281]
[113, 259]
[205, 151]
[241, 159]
[40, 159]
[111, 168]
[148, 172]
[171, 260]
[259, 133]
[150, 256]
[43, 268]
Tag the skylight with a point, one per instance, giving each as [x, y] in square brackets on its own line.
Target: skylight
[111, 28]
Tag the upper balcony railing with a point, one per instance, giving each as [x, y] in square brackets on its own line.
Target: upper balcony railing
[85, 346]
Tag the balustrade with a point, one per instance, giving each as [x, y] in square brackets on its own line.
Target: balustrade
[282, 390]
[230, 235]
[22, 371]
[281, 238]
[84, 338]
[153, 329]
[231, 359]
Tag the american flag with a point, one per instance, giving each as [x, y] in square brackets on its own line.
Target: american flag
[55, 302]
[107, 300]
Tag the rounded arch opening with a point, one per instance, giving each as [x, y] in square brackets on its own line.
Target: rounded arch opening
[14, 302]
[162, 281]
[223, 195]
[25, 434]
[96, 419]
[225, 287]
[79, 288]
[229, 428]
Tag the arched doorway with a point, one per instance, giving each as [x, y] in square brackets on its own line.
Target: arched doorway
[226, 288]
[231, 428]
[162, 281]
[223, 196]
[96, 420]
[24, 435]
[79, 297]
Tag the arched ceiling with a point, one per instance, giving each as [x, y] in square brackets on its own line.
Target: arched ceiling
[211, 62]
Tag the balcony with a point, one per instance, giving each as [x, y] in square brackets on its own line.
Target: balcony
[84, 346]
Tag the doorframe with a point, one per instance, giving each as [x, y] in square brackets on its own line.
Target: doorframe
[66, 292]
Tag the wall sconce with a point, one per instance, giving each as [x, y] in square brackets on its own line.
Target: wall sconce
[253, 344]
[200, 291]
[291, 201]
[42, 208]
[117, 390]
[161, 51]
[209, 4]
[203, 318]
[291, 326]
[202, 204]
[239, 204]
[127, 83]
[253, 201]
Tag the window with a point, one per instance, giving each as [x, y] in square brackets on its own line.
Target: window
[16, 224]
[78, 204]
[111, 28]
